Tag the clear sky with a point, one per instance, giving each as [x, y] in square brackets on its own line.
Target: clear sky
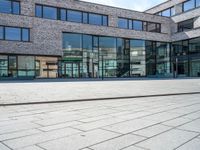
[139, 5]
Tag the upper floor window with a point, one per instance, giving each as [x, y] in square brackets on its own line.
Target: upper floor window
[123, 23]
[14, 33]
[9, 6]
[70, 15]
[197, 3]
[190, 4]
[137, 25]
[167, 12]
[186, 25]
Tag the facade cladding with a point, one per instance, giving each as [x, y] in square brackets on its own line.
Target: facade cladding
[74, 39]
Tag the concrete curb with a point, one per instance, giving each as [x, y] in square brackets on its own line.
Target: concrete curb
[98, 99]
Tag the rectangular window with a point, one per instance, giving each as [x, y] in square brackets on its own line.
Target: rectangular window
[188, 5]
[153, 27]
[16, 7]
[63, 14]
[49, 12]
[25, 35]
[105, 20]
[38, 11]
[186, 25]
[8, 6]
[130, 24]
[74, 16]
[137, 25]
[1, 32]
[12, 33]
[95, 19]
[123, 23]
[85, 17]
[197, 3]
[166, 13]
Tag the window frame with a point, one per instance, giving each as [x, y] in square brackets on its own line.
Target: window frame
[12, 7]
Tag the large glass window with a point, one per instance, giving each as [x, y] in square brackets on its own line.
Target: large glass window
[137, 58]
[1, 32]
[49, 12]
[150, 58]
[9, 6]
[107, 56]
[95, 19]
[74, 16]
[153, 27]
[194, 46]
[190, 4]
[186, 25]
[3, 66]
[197, 3]
[123, 23]
[137, 25]
[12, 33]
[26, 66]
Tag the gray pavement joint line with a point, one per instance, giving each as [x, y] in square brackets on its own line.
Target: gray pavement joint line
[187, 142]
[6, 145]
[98, 99]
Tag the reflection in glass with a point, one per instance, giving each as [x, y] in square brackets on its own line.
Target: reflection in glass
[49, 12]
[3, 66]
[74, 16]
[12, 33]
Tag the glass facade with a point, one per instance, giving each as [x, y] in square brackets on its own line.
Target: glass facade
[185, 57]
[63, 14]
[10, 6]
[167, 12]
[186, 25]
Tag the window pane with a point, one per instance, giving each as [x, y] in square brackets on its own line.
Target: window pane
[5, 6]
[172, 11]
[188, 5]
[49, 12]
[25, 34]
[74, 16]
[38, 11]
[1, 32]
[130, 24]
[197, 3]
[166, 13]
[16, 8]
[95, 19]
[105, 20]
[3, 66]
[185, 25]
[137, 25]
[123, 23]
[12, 33]
[85, 17]
[26, 66]
[63, 14]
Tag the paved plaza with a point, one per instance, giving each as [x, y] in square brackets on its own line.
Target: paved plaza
[151, 123]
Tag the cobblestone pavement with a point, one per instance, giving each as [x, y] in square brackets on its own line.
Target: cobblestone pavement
[156, 123]
[23, 92]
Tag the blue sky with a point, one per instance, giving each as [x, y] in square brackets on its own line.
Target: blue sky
[139, 5]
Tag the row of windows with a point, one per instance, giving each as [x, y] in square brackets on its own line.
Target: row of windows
[139, 25]
[70, 15]
[167, 12]
[14, 33]
[9, 6]
[190, 4]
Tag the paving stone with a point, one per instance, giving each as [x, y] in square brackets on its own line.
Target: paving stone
[192, 126]
[38, 138]
[79, 141]
[118, 143]
[134, 148]
[193, 115]
[176, 122]
[152, 131]
[130, 126]
[31, 148]
[59, 126]
[191, 145]
[98, 124]
[3, 147]
[18, 134]
[168, 140]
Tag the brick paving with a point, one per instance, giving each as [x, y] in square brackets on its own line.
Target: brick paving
[155, 123]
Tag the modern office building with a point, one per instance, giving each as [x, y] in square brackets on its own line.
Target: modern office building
[76, 39]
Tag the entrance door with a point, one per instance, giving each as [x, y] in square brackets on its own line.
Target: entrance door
[71, 70]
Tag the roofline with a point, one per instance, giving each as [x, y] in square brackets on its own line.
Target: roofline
[142, 12]
[157, 5]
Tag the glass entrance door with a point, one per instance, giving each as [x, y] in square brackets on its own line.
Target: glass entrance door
[71, 70]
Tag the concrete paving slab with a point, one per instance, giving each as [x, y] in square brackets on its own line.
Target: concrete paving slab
[191, 145]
